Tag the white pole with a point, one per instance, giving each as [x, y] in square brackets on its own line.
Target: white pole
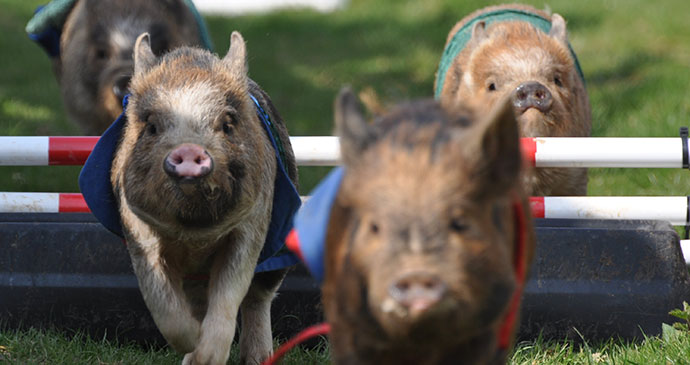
[24, 151]
[29, 202]
[666, 208]
[685, 247]
[316, 151]
[609, 152]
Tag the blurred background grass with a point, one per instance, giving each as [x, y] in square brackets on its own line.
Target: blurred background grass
[635, 56]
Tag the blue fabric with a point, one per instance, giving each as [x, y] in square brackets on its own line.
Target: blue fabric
[311, 222]
[45, 27]
[48, 39]
[95, 186]
[94, 178]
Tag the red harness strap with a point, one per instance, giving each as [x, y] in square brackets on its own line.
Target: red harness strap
[520, 272]
[506, 329]
[307, 333]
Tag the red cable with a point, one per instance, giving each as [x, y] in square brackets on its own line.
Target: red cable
[506, 329]
[307, 333]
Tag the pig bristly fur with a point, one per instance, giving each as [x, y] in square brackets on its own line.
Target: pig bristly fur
[419, 265]
[194, 175]
[523, 52]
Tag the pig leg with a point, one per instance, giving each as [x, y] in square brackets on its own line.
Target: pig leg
[231, 275]
[256, 341]
[163, 294]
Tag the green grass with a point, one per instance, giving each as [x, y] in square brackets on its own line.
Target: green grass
[54, 347]
[51, 347]
[635, 55]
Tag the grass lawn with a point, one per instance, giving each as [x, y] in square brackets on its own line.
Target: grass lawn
[49, 347]
[635, 55]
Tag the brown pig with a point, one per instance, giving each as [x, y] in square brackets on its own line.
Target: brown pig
[198, 181]
[516, 49]
[93, 62]
[430, 236]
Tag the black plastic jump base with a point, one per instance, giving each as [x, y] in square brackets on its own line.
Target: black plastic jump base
[591, 278]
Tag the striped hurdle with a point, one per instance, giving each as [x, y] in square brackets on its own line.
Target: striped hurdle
[673, 209]
[325, 151]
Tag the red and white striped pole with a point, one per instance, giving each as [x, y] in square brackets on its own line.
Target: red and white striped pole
[42, 203]
[669, 208]
[41, 151]
[673, 209]
[325, 151]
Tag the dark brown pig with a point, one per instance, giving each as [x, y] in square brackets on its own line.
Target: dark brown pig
[94, 64]
[429, 238]
[516, 49]
[194, 178]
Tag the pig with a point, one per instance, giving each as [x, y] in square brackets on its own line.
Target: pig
[516, 49]
[429, 235]
[94, 64]
[193, 175]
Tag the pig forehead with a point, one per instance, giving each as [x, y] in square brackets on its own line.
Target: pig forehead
[412, 181]
[195, 101]
[126, 29]
[526, 60]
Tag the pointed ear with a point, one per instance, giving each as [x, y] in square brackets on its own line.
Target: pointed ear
[236, 58]
[144, 58]
[350, 125]
[479, 32]
[492, 149]
[558, 29]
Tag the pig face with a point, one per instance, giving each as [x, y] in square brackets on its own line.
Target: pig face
[420, 244]
[189, 150]
[96, 59]
[535, 67]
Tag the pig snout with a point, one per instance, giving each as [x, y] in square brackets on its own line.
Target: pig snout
[532, 95]
[188, 161]
[417, 292]
[121, 87]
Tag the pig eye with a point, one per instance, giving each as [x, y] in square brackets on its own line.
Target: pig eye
[101, 53]
[458, 225]
[228, 123]
[151, 128]
[557, 81]
[373, 228]
[492, 87]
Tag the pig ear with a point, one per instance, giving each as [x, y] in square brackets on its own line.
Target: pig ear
[351, 126]
[558, 29]
[144, 58]
[236, 58]
[479, 32]
[492, 149]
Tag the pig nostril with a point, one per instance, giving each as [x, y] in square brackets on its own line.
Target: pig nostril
[188, 161]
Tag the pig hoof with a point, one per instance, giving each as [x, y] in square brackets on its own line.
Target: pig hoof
[187, 360]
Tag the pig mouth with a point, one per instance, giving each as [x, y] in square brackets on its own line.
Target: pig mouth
[534, 123]
[195, 188]
[405, 322]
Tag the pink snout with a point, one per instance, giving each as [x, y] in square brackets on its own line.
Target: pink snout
[417, 292]
[188, 161]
